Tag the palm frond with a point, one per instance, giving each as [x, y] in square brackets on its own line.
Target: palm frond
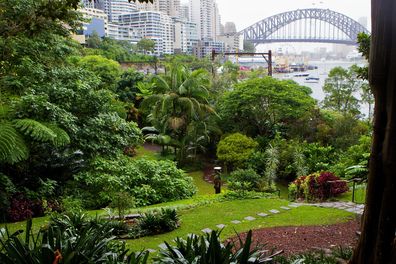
[12, 146]
[62, 138]
[35, 129]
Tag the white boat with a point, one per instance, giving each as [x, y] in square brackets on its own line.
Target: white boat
[312, 79]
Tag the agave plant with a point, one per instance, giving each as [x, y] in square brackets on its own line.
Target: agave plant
[208, 249]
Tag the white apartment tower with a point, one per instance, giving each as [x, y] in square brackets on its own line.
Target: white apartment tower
[168, 7]
[202, 14]
[217, 27]
[115, 8]
[185, 11]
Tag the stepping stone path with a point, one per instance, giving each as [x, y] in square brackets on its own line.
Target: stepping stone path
[207, 230]
[221, 226]
[346, 206]
[249, 218]
[293, 205]
[285, 208]
[262, 214]
[151, 250]
[274, 211]
[235, 222]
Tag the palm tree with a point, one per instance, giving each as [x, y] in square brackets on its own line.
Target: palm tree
[180, 100]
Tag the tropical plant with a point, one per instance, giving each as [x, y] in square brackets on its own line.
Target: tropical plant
[208, 248]
[272, 160]
[157, 222]
[179, 100]
[65, 243]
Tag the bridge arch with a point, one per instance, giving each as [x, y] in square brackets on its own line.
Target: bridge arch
[262, 31]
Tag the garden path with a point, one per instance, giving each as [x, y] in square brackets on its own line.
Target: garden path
[347, 206]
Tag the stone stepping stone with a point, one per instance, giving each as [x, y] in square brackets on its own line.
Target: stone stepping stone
[221, 226]
[162, 246]
[262, 214]
[274, 211]
[151, 250]
[293, 205]
[249, 218]
[235, 221]
[206, 230]
[285, 208]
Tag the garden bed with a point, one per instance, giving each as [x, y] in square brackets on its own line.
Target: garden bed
[299, 239]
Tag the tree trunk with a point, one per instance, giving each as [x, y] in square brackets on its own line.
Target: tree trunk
[377, 241]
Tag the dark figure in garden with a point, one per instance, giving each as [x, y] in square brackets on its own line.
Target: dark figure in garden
[217, 180]
[217, 183]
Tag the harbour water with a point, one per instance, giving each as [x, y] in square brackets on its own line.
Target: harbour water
[322, 71]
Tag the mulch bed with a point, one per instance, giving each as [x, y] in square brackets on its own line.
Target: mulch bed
[299, 239]
[152, 147]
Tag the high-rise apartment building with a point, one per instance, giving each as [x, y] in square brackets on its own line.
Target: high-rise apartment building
[202, 14]
[168, 7]
[230, 28]
[185, 11]
[115, 8]
[152, 25]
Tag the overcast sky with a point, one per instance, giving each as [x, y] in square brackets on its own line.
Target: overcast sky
[247, 12]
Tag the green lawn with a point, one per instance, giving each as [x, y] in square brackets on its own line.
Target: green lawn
[360, 194]
[208, 216]
[204, 188]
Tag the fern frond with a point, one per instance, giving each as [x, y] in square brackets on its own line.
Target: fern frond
[12, 146]
[62, 138]
[35, 129]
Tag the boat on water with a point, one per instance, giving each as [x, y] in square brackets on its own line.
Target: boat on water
[301, 75]
[312, 79]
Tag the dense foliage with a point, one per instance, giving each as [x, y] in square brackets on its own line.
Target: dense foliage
[317, 186]
[235, 149]
[148, 182]
[263, 106]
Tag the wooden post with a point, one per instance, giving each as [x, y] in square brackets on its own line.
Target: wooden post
[269, 63]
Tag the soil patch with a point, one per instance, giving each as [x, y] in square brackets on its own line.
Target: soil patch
[152, 147]
[298, 239]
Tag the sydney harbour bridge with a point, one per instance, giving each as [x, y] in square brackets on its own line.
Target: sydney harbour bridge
[305, 25]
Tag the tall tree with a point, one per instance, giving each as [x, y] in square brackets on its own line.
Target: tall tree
[146, 45]
[339, 88]
[377, 243]
[180, 100]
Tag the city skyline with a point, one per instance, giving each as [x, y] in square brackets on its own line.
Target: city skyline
[244, 15]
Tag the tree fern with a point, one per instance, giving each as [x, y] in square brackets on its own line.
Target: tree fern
[36, 130]
[62, 138]
[12, 146]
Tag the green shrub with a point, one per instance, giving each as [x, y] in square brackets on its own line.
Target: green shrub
[72, 205]
[235, 149]
[147, 181]
[245, 180]
[157, 222]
